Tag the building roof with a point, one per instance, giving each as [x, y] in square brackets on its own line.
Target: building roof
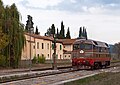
[67, 41]
[67, 52]
[43, 37]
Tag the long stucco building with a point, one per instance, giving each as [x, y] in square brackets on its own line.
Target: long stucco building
[41, 46]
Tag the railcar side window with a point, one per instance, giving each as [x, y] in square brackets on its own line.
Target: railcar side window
[99, 49]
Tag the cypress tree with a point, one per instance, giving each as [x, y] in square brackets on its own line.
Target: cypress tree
[83, 33]
[29, 24]
[80, 32]
[86, 34]
[57, 35]
[68, 34]
[62, 31]
[53, 29]
[36, 31]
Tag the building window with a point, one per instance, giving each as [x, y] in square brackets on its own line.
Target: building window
[42, 55]
[42, 46]
[60, 47]
[34, 47]
[37, 55]
[48, 55]
[60, 57]
[37, 45]
[48, 46]
[52, 46]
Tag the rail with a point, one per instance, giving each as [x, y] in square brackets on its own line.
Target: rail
[39, 73]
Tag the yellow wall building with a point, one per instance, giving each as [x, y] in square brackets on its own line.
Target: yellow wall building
[68, 47]
[41, 45]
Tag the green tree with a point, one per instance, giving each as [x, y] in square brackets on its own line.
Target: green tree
[36, 31]
[57, 35]
[80, 32]
[62, 31]
[3, 40]
[3, 43]
[14, 29]
[1, 11]
[17, 39]
[83, 33]
[29, 25]
[116, 50]
[50, 31]
[86, 35]
[68, 34]
[53, 29]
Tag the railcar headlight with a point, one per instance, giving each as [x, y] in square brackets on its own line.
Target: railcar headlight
[81, 51]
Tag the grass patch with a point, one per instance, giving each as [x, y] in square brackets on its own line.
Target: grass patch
[115, 61]
[99, 79]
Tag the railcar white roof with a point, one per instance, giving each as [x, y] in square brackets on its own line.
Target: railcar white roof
[96, 43]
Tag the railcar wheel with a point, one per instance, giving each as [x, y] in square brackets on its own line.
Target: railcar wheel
[96, 65]
[92, 68]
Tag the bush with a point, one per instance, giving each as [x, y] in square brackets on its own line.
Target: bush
[34, 60]
[38, 59]
[41, 59]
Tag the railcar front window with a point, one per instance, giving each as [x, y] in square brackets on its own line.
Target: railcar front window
[88, 46]
[76, 46]
[82, 46]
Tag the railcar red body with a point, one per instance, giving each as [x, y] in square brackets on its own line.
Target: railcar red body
[90, 53]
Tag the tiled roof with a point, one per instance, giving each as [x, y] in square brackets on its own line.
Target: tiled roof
[43, 37]
[67, 41]
[68, 52]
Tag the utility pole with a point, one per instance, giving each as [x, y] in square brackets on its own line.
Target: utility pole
[29, 25]
[54, 54]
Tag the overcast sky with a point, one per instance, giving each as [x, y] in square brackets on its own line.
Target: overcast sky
[100, 17]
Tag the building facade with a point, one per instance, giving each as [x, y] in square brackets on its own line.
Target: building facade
[68, 47]
[41, 46]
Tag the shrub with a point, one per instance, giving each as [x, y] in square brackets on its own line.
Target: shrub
[34, 60]
[41, 59]
[38, 59]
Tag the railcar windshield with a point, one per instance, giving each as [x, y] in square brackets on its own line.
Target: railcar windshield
[82, 46]
[76, 46]
[88, 46]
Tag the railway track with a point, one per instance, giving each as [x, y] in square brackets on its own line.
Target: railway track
[42, 69]
[60, 78]
[37, 73]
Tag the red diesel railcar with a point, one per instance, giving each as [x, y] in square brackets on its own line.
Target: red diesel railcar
[90, 53]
